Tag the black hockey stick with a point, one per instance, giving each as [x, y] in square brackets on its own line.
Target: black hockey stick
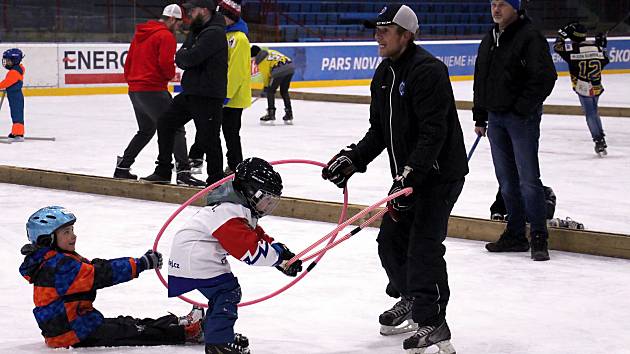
[618, 23]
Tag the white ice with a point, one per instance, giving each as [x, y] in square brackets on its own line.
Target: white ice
[503, 304]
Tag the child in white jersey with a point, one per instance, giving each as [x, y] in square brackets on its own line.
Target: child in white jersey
[228, 225]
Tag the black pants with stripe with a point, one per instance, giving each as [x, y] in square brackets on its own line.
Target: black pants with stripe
[412, 251]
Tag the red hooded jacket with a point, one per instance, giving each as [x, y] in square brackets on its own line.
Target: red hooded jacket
[150, 62]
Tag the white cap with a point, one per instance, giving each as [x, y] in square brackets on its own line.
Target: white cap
[173, 10]
[401, 15]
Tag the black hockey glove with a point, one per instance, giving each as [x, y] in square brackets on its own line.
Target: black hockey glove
[601, 40]
[286, 255]
[341, 167]
[150, 260]
[402, 181]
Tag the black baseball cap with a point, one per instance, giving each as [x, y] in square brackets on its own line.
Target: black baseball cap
[402, 15]
[209, 4]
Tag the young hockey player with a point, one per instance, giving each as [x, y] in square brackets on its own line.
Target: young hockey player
[228, 225]
[65, 285]
[12, 84]
[277, 71]
[586, 61]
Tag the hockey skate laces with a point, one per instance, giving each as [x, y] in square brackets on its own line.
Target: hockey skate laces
[215, 185]
[334, 232]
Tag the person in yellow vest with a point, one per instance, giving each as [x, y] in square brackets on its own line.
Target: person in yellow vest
[239, 92]
[277, 71]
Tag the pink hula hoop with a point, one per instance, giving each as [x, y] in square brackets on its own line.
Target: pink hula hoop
[220, 182]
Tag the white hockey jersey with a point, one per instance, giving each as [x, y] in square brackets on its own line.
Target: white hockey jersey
[200, 248]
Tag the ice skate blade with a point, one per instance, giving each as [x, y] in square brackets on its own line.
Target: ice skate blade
[267, 122]
[196, 170]
[444, 347]
[153, 182]
[288, 122]
[405, 327]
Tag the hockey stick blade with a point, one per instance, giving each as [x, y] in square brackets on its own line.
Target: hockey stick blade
[41, 138]
[618, 23]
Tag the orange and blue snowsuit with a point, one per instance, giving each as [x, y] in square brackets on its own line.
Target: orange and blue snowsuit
[13, 83]
[65, 286]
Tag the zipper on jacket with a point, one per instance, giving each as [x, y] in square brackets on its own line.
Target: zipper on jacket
[391, 109]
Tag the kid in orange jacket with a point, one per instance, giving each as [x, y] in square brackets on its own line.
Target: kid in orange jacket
[12, 84]
[65, 285]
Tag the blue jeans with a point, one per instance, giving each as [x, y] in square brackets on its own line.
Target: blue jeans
[594, 122]
[222, 311]
[514, 145]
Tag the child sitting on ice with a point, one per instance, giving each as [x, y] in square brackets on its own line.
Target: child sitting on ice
[65, 285]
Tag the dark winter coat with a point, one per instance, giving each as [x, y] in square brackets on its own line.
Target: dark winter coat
[65, 286]
[514, 71]
[413, 116]
[204, 59]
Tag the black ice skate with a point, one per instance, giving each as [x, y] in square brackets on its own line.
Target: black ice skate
[196, 166]
[12, 138]
[427, 336]
[226, 348]
[157, 179]
[539, 248]
[288, 117]
[398, 319]
[184, 178]
[123, 172]
[497, 217]
[509, 242]
[195, 315]
[241, 340]
[269, 118]
[600, 147]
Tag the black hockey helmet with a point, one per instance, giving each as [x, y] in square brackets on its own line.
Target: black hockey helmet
[261, 185]
[574, 31]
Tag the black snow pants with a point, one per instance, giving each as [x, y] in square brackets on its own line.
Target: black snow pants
[412, 251]
[129, 331]
[207, 115]
[231, 126]
[148, 106]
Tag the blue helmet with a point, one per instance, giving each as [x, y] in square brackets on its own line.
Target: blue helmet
[13, 54]
[46, 221]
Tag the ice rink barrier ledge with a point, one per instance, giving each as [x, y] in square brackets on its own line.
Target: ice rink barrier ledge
[577, 241]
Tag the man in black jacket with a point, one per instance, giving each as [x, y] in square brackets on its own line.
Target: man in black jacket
[413, 116]
[203, 57]
[514, 73]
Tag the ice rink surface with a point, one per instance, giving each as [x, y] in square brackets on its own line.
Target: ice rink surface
[503, 304]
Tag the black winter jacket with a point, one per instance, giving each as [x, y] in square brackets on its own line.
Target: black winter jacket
[514, 71]
[413, 115]
[203, 57]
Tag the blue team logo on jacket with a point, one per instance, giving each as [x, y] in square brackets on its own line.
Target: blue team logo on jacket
[401, 88]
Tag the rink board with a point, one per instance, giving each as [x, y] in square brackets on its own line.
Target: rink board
[578, 241]
[461, 105]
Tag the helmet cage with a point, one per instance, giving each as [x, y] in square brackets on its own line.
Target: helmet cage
[263, 202]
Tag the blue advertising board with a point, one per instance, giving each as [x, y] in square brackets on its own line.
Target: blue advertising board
[358, 60]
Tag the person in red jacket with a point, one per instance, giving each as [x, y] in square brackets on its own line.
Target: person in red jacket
[65, 285]
[149, 66]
